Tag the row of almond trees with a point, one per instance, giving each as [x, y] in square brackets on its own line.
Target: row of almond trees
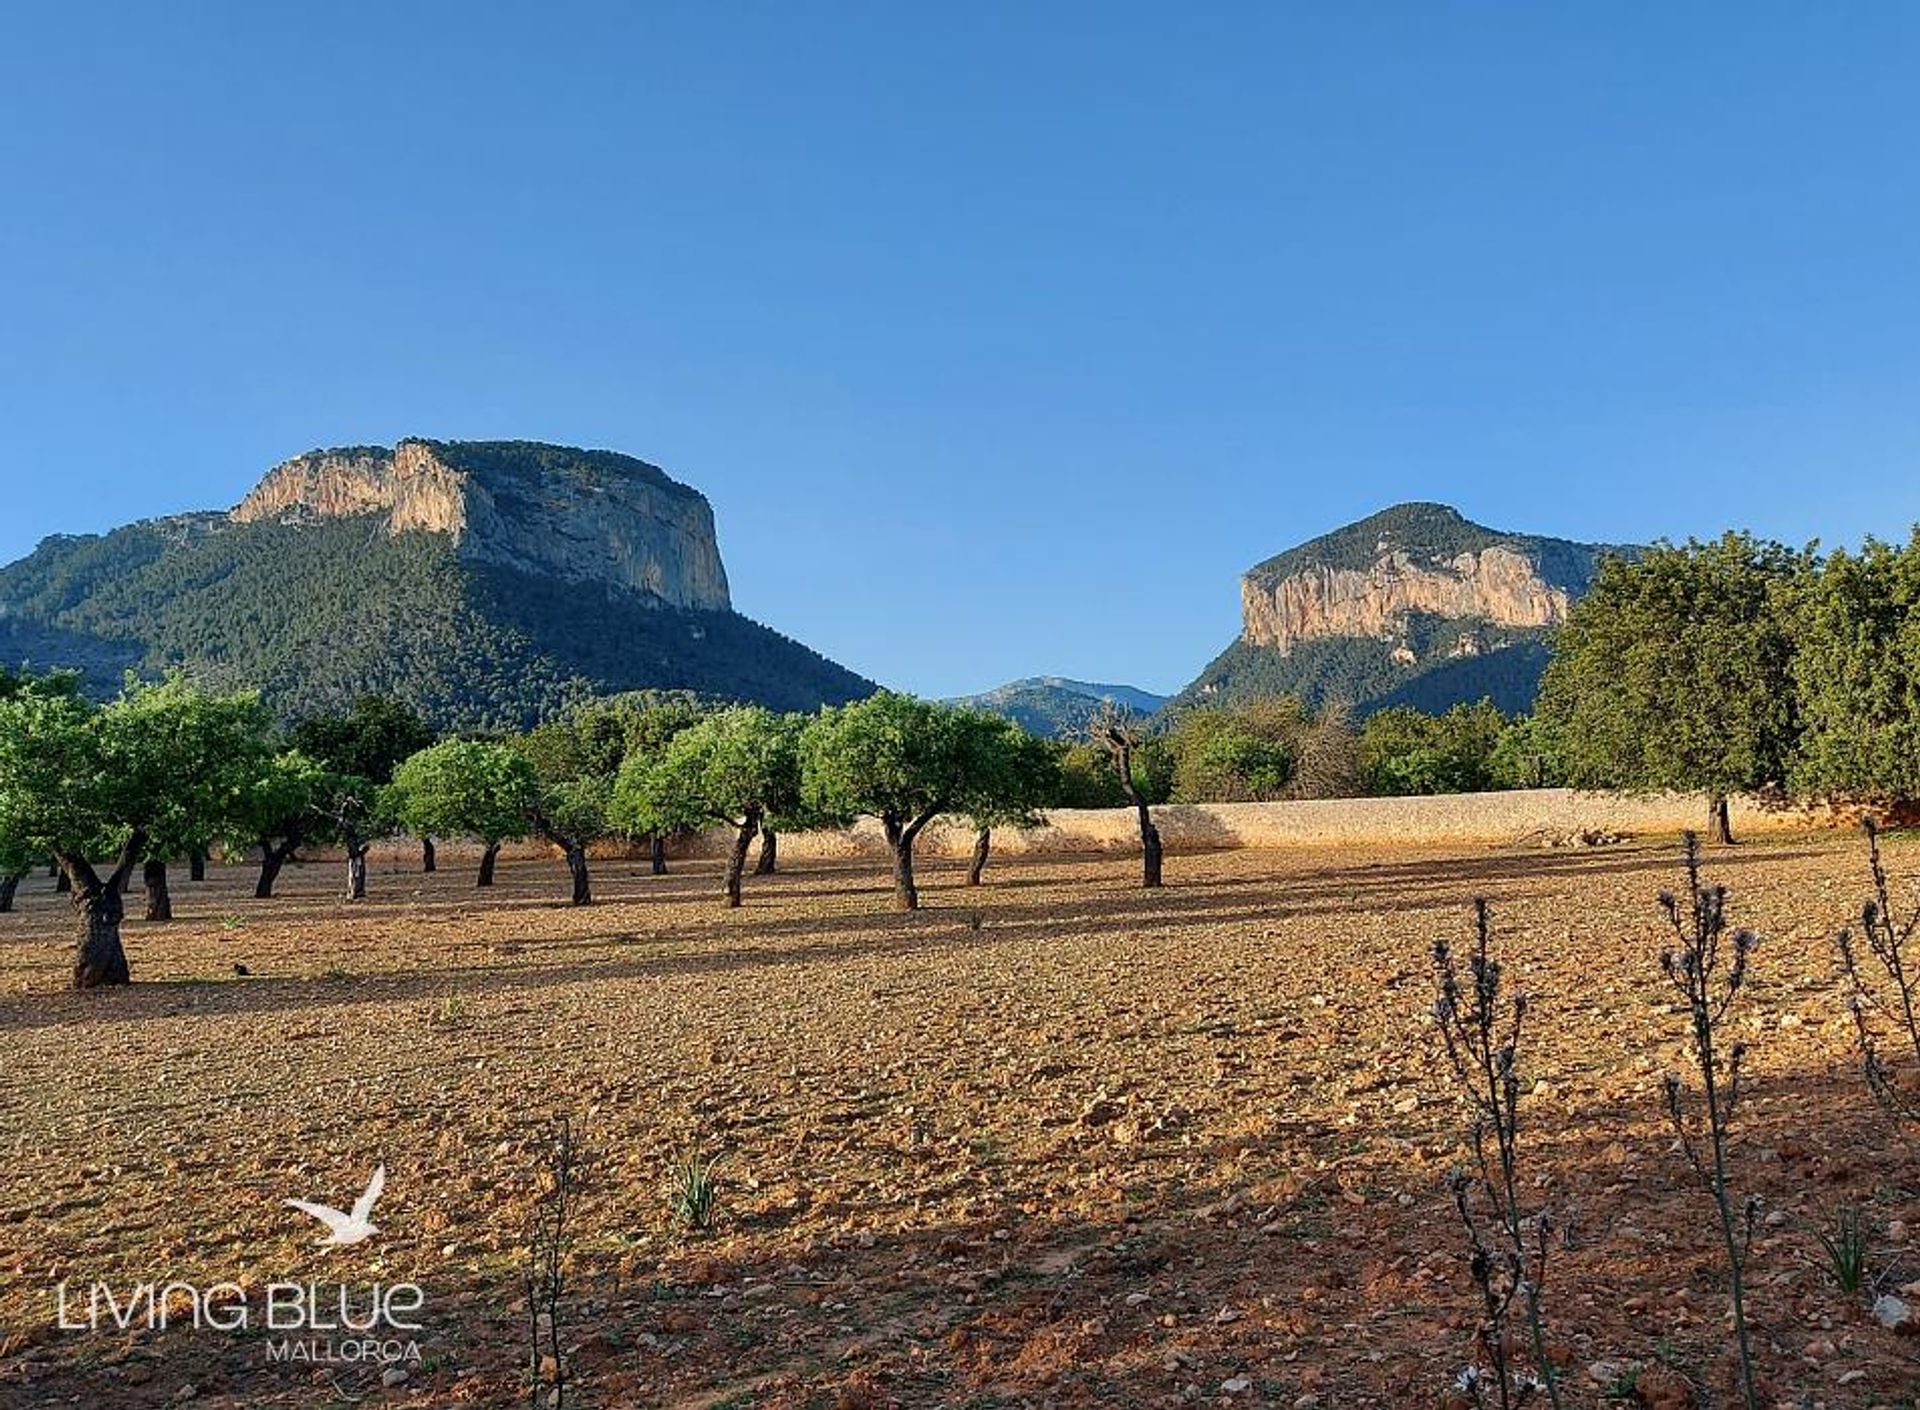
[170, 770]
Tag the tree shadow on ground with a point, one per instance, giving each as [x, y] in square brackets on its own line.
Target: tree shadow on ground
[620, 938]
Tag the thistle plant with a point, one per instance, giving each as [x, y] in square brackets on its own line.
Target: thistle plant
[1708, 979]
[546, 1280]
[1881, 984]
[1507, 1247]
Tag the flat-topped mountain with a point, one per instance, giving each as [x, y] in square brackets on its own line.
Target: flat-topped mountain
[1413, 605]
[580, 515]
[487, 582]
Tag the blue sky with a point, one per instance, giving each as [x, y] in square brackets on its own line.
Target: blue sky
[1002, 338]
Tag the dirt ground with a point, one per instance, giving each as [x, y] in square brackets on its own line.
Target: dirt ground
[1054, 1141]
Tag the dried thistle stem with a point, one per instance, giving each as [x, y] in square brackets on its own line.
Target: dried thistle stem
[1708, 982]
[1482, 1037]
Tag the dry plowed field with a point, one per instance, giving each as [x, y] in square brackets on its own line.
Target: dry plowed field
[1054, 1141]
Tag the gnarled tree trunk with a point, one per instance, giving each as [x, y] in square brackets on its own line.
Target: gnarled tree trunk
[901, 837]
[577, 867]
[1149, 847]
[906, 896]
[153, 875]
[1149, 834]
[8, 885]
[102, 958]
[356, 871]
[273, 856]
[657, 853]
[1119, 738]
[487, 860]
[982, 845]
[62, 883]
[100, 905]
[197, 864]
[428, 860]
[737, 858]
[1720, 819]
[769, 853]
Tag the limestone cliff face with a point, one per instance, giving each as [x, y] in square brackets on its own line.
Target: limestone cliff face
[585, 516]
[1499, 585]
[1416, 605]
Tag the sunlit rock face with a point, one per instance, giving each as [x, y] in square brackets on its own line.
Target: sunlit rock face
[1497, 585]
[1415, 605]
[581, 515]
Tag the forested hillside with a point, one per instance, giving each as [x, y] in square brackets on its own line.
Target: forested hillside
[317, 613]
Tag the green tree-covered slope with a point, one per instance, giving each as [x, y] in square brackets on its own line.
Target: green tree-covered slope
[317, 613]
[1055, 706]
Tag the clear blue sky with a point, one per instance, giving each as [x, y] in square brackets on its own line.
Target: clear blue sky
[1002, 338]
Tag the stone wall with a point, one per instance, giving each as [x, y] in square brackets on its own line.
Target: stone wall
[1542, 817]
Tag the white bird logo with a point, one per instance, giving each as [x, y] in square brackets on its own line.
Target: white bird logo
[347, 1228]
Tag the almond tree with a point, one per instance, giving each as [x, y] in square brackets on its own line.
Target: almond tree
[207, 747]
[572, 814]
[651, 720]
[901, 760]
[470, 788]
[58, 794]
[356, 812]
[16, 860]
[281, 811]
[576, 760]
[367, 743]
[1015, 775]
[17, 855]
[737, 767]
[1117, 730]
[1856, 674]
[159, 765]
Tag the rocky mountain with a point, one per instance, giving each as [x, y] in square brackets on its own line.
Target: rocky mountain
[1414, 605]
[1054, 705]
[487, 582]
[577, 515]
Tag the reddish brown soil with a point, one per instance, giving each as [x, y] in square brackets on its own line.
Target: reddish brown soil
[1056, 1141]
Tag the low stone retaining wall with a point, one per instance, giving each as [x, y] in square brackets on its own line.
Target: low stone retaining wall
[1526, 817]
[1542, 816]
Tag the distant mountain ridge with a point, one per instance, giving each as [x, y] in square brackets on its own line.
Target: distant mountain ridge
[1414, 605]
[488, 582]
[1057, 706]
